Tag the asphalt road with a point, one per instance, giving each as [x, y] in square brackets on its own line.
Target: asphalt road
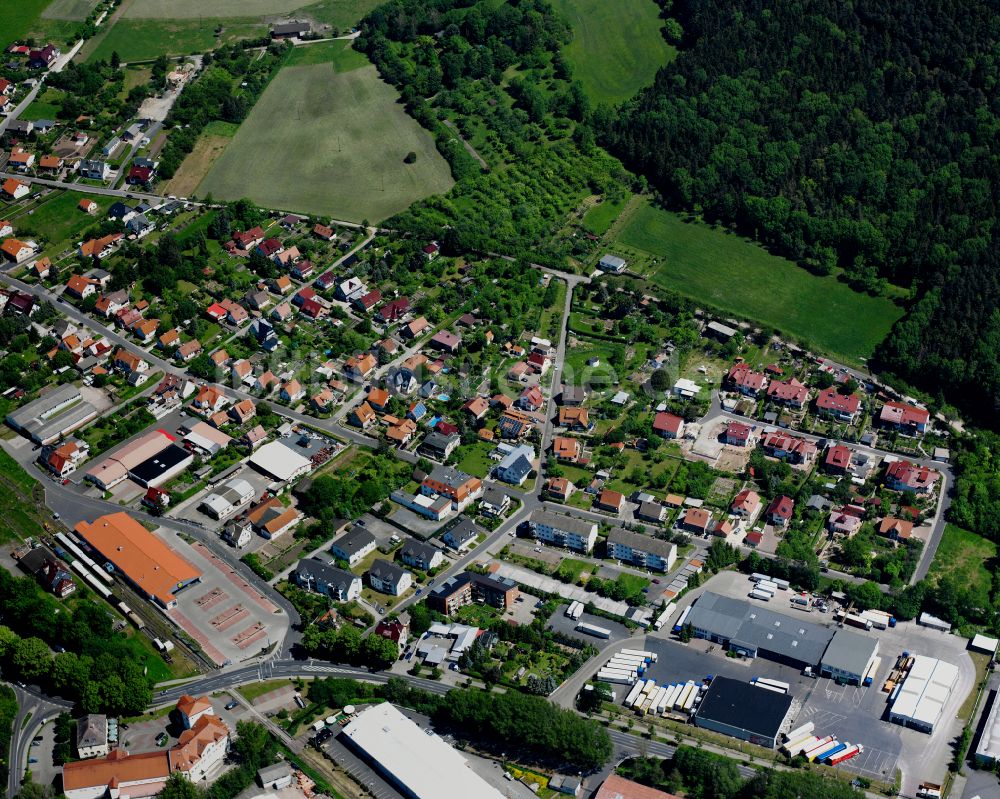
[34, 709]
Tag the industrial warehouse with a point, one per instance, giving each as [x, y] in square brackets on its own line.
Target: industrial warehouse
[141, 459]
[754, 631]
[744, 711]
[418, 762]
[152, 567]
[919, 700]
[54, 414]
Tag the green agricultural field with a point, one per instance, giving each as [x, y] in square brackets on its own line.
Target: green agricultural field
[967, 557]
[617, 47]
[21, 18]
[737, 276]
[338, 13]
[72, 10]
[144, 39]
[339, 53]
[329, 143]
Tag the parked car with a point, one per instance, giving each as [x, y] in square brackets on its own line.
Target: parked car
[231, 705]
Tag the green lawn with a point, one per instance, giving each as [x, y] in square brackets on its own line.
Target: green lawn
[331, 143]
[20, 17]
[338, 13]
[40, 110]
[737, 276]
[339, 53]
[571, 569]
[599, 218]
[74, 10]
[966, 556]
[476, 460]
[617, 47]
[59, 221]
[145, 39]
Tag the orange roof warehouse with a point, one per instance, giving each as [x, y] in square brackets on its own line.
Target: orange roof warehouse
[150, 565]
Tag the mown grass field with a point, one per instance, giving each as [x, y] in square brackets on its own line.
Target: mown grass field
[735, 275]
[617, 47]
[967, 557]
[338, 13]
[340, 54]
[58, 220]
[324, 142]
[145, 39]
[602, 216]
[74, 10]
[20, 19]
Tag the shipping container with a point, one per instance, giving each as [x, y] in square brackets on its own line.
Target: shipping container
[686, 696]
[690, 698]
[682, 619]
[767, 585]
[833, 752]
[664, 616]
[772, 688]
[757, 577]
[784, 585]
[877, 620]
[847, 754]
[791, 745]
[593, 629]
[633, 694]
[763, 596]
[672, 694]
[650, 656]
[821, 749]
[822, 742]
[616, 679]
[784, 686]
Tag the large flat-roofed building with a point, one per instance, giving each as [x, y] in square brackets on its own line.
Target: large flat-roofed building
[420, 764]
[924, 693]
[742, 710]
[564, 531]
[642, 550]
[155, 570]
[280, 462]
[228, 498]
[162, 467]
[55, 414]
[849, 656]
[755, 631]
[115, 468]
[988, 749]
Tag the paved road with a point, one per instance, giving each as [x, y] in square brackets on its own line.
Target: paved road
[33, 710]
[18, 110]
[104, 191]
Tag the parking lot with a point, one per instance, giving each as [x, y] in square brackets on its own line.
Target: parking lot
[229, 619]
[850, 713]
[191, 510]
[561, 623]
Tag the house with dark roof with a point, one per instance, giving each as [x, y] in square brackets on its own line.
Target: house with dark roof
[420, 555]
[389, 578]
[353, 545]
[321, 577]
[780, 510]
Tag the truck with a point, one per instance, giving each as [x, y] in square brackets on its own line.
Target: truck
[801, 731]
[643, 653]
[803, 745]
[818, 753]
[763, 596]
[683, 618]
[664, 616]
[821, 744]
[929, 790]
[833, 752]
[857, 621]
[593, 629]
[633, 694]
[575, 610]
[784, 686]
[846, 754]
[880, 620]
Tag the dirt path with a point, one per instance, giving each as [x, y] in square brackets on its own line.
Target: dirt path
[95, 41]
[196, 165]
[469, 147]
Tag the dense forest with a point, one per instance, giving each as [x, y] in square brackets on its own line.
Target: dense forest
[856, 135]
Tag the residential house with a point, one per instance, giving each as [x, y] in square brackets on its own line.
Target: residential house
[210, 399]
[415, 328]
[906, 418]
[696, 520]
[559, 488]
[366, 302]
[640, 550]
[80, 287]
[610, 501]
[789, 448]
[378, 398]
[746, 504]
[292, 391]
[108, 305]
[842, 407]
[362, 416]
[531, 399]
[349, 289]
[514, 425]
[145, 329]
[896, 529]
[281, 312]
[780, 511]
[477, 408]
[243, 411]
[92, 736]
[790, 393]
[396, 630]
[462, 536]
[837, 460]
[738, 434]
[573, 418]
[14, 189]
[516, 465]
[495, 501]
[188, 350]
[745, 380]
[43, 57]
[266, 382]
[249, 239]
[360, 367]
[420, 555]
[21, 159]
[321, 577]
[906, 476]
[94, 169]
[668, 425]
[16, 250]
[573, 396]
[846, 521]
[324, 232]
[651, 511]
[461, 488]
[446, 341]
[63, 460]
[431, 251]
[354, 545]
[401, 433]
[567, 449]
[99, 248]
[394, 310]
[88, 206]
[612, 264]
